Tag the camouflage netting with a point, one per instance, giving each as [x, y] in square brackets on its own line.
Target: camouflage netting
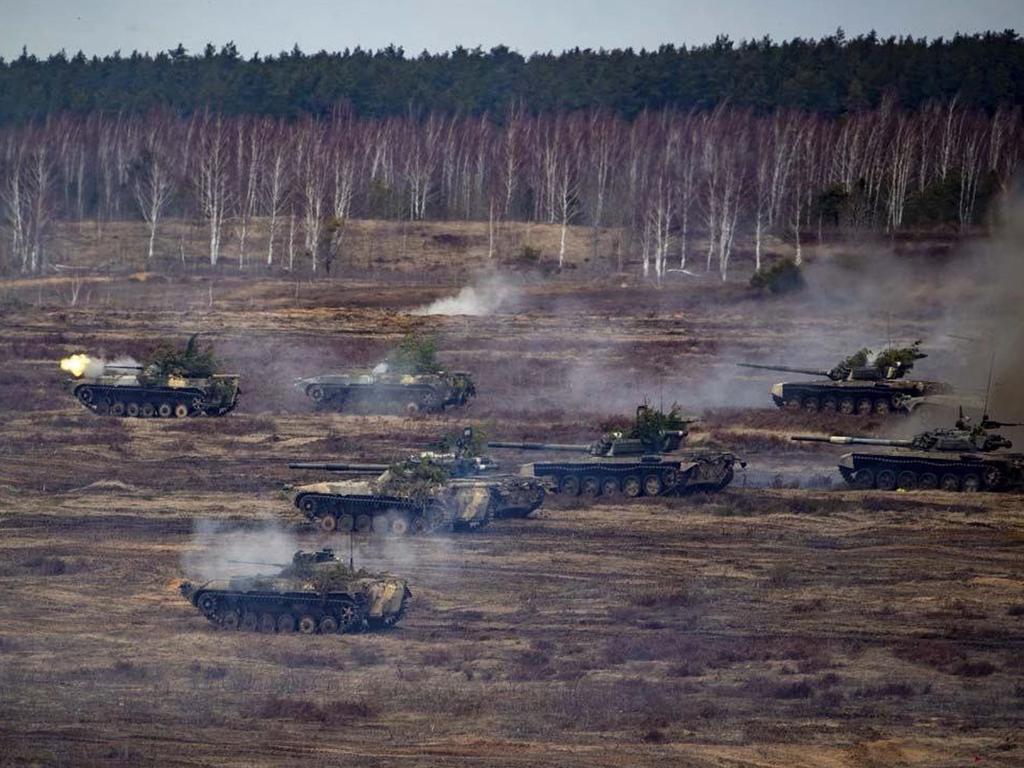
[327, 577]
[192, 362]
[414, 355]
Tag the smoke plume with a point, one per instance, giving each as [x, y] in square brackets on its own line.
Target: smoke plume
[489, 295]
[218, 552]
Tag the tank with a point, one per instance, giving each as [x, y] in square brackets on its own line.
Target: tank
[859, 385]
[635, 463]
[315, 593]
[381, 388]
[964, 458]
[455, 465]
[172, 383]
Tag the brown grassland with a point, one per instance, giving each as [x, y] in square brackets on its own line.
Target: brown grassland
[786, 621]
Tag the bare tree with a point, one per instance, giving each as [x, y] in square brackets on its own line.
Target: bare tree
[152, 177]
[211, 177]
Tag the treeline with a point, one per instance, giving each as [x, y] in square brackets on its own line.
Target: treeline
[831, 76]
[670, 178]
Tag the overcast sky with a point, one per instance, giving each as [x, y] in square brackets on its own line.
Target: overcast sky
[270, 26]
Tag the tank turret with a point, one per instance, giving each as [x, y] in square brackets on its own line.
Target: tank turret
[315, 593]
[633, 462]
[962, 458]
[861, 384]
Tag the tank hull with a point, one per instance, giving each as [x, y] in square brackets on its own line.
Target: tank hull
[429, 394]
[649, 477]
[306, 612]
[853, 398]
[933, 470]
[137, 401]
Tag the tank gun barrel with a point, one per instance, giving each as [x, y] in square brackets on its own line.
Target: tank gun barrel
[337, 467]
[123, 367]
[784, 368]
[845, 440]
[575, 448]
[257, 562]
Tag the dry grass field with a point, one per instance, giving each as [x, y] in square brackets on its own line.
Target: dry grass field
[787, 621]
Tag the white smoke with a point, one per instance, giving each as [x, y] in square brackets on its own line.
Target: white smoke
[218, 552]
[489, 295]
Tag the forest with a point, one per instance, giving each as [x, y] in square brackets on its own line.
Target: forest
[685, 162]
[831, 76]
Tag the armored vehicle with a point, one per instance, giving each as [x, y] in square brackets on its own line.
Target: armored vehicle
[859, 384]
[411, 391]
[634, 463]
[965, 458]
[172, 383]
[314, 593]
[332, 505]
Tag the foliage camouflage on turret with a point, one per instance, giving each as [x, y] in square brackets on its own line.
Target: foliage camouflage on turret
[652, 423]
[414, 355]
[326, 577]
[194, 361]
[461, 444]
[858, 359]
[901, 358]
[414, 478]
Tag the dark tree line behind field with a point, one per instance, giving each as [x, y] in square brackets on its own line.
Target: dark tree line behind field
[831, 76]
[686, 185]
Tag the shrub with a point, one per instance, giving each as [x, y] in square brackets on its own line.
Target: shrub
[784, 276]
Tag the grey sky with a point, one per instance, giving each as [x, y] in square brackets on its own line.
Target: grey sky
[269, 26]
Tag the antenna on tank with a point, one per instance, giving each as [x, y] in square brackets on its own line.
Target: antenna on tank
[988, 385]
[351, 552]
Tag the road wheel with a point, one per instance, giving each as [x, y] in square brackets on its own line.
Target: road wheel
[148, 410]
[971, 483]
[348, 616]
[250, 621]
[882, 407]
[865, 407]
[315, 393]
[267, 623]
[811, 404]
[117, 408]
[328, 523]
[307, 624]
[950, 482]
[993, 477]
[610, 487]
[570, 485]
[180, 411]
[411, 409]
[285, 623]
[328, 625]
[792, 404]
[631, 486]
[418, 524]
[886, 480]
[863, 479]
[85, 395]
[165, 410]
[928, 480]
[590, 486]
[132, 410]
[308, 505]
[345, 523]
[830, 404]
[653, 485]
[364, 523]
[847, 406]
[906, 480]
[207, 604]
[231, 620]
[399, 525]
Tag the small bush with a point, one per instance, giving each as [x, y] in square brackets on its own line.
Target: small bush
[1015, 610]
[45, 566]
[974, 669]
[330, 713]
[801, 690]
[784, 276]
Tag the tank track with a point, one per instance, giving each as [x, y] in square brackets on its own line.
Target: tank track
[850, 401]
[632, 480]
[271, 613]
[412, 398]
[147, 402]
[889, 473]
[366, 514]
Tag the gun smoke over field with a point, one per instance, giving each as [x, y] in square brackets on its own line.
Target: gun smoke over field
[80, 365]
[488, 296]
[219, 551]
